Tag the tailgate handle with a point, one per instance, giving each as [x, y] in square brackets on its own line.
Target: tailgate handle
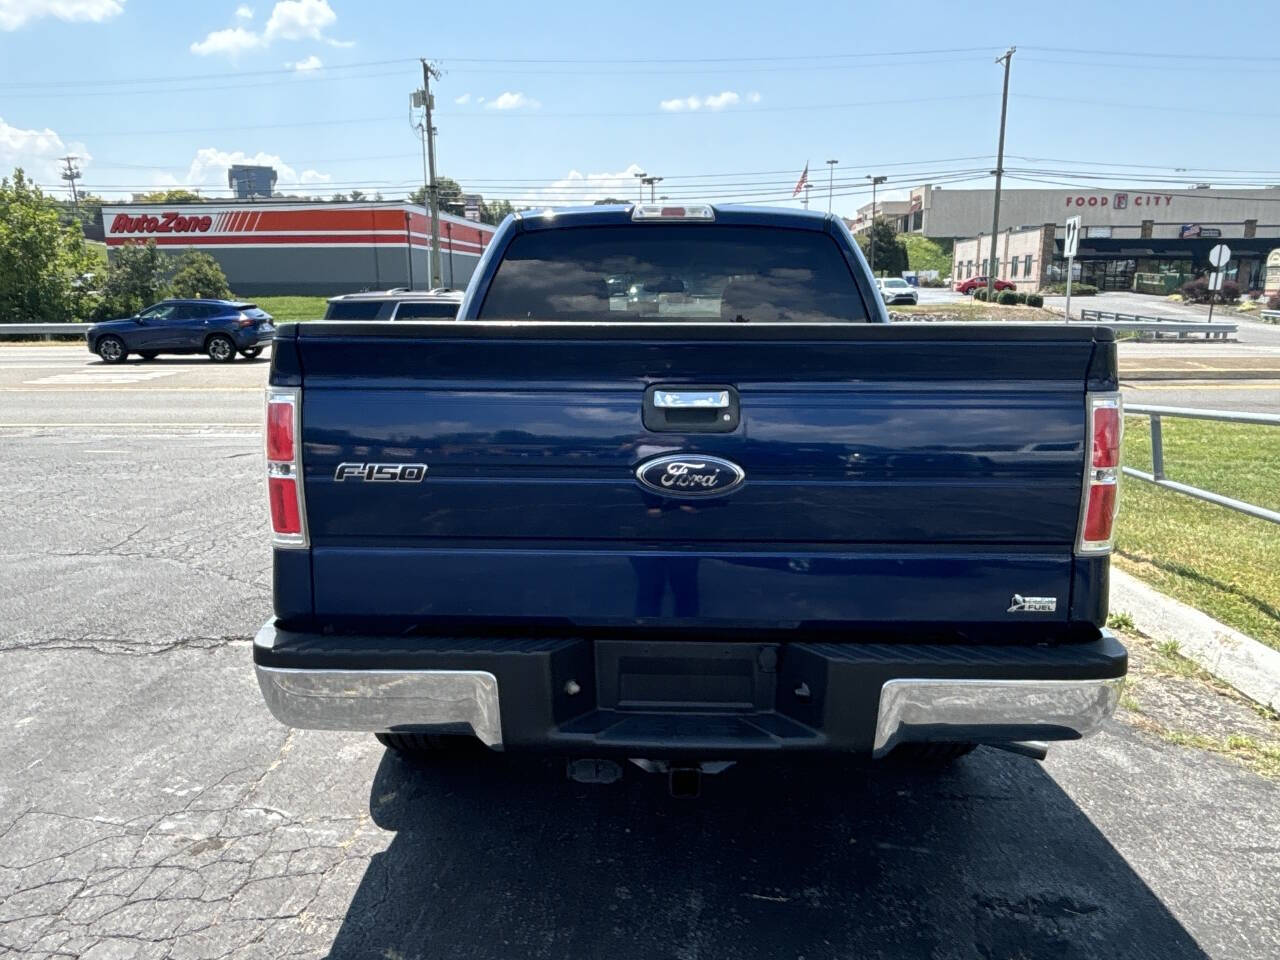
[691, 399]
[692, 408]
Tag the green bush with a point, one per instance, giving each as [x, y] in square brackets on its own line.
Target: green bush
[1019, 298]
[200, 276]
[980, 293]
[1077, 289]
[136, 278]
[1035, 300]
[1008, 298]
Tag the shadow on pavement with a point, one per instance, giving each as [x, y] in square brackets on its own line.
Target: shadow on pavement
[503, 857]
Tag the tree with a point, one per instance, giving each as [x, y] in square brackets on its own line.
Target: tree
[449, 192]
[200, 276]
[495, 211]
[43, 264]
[925, 254]
[168, 196]
[891, 255]
[610, 201]
[137, 277]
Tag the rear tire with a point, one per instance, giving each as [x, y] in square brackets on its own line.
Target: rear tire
[148, 354]
[111, 350]
[220, 348]
[929, 756]
[422, 746]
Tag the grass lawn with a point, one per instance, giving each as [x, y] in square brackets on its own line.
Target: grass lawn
[292, 309]
[1220, 561]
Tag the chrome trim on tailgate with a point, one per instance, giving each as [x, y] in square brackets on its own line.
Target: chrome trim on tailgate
[929, 710]
[378, 701]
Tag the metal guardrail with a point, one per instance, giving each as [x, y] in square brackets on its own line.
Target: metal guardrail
[1271, 316]
[1157, 474]
[1134, 322]
[44, 329]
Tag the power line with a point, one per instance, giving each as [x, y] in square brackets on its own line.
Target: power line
[1157, 55]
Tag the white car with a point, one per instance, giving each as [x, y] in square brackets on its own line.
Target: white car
[897, 290]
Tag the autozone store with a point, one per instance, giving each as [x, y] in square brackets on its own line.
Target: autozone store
[322, 248]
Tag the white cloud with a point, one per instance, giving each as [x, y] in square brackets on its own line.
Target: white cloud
[718, 101]
[310, 63]
[37, 152]
[299, 20]
[713, 101]
[462, 100]
[16, 13]
[578, 188]
[754, 97]
[289, 20]
[209, 169]
[232, 42]
[512, 101]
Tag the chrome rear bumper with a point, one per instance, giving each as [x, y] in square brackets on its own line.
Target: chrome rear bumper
[377, 701]
[985, 711]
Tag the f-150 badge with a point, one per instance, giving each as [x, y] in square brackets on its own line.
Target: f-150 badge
[381, 472]
[1021, 604]
[690, 477]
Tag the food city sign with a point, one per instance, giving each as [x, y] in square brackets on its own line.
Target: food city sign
[168, 222]
[1120, 201]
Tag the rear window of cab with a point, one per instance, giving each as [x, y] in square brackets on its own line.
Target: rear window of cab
[674, 272]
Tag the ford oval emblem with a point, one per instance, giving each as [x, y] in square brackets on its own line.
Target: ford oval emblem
[690, 477]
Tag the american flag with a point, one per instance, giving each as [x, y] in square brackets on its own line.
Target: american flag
[804, 178]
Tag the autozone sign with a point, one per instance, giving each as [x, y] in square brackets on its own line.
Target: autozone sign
[169, 222]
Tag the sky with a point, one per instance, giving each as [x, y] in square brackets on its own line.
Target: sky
[560, 102]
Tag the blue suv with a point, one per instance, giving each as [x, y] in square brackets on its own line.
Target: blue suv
[218, 328]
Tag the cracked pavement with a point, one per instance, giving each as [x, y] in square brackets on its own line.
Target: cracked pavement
[151, 807]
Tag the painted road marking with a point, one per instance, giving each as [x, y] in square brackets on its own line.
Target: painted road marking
[86, 378]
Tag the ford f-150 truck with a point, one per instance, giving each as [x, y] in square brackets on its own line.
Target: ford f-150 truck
[748, 516]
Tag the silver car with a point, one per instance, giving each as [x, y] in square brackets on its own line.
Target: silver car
[897, 290]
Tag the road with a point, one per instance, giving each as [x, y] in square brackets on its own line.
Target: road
[152, 807]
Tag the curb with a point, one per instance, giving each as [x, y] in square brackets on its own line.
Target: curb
[1211, 374]
[1233, 657]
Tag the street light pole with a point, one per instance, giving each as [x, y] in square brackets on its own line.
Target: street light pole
[807, 187]
[831, 173]
[640, 176]
[999, 172]
[875, 182]
[651, 181]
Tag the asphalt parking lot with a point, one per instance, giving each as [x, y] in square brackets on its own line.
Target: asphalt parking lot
[151, 807]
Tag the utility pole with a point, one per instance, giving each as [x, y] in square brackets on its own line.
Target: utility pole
[807, 187]
[424, 99]
[640, 176]
[875, 182]
[831, 175]
[70, 173]
[999, 172]
[651, 181]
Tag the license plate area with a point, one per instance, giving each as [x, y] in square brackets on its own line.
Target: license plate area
[640, 675]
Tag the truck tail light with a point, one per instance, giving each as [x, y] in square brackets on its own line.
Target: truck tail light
[284, 463]
[1102, 473]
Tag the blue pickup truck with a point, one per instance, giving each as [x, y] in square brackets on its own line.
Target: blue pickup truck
[744, 515]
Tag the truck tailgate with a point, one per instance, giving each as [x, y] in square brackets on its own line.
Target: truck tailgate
[901, 473]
